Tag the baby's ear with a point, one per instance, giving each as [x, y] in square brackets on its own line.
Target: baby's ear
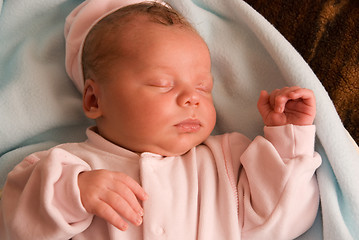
[90, 99]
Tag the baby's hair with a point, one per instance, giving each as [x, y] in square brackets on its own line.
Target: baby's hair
[96, 52]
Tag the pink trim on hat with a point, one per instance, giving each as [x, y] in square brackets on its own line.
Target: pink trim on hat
[78, 24]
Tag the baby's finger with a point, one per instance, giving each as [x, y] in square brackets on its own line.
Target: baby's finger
[129, 196]
[272, 97]
[263, 104]
[122, 207]
[282, 97]
[306, 95]
[106, 212]
[135, 187]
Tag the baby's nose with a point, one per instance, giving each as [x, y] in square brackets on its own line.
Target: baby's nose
[188, 98]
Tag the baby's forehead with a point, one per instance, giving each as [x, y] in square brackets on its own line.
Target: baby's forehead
[118, 29]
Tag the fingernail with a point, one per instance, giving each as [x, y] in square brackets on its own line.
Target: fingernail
[139, 221]
[124, 227]
[141, 212]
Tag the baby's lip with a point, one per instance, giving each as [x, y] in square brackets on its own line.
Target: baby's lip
[189, 125]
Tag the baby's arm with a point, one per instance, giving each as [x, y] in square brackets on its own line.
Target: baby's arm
[111, 195]
[54, 194]
[41, 199]
[278, 185]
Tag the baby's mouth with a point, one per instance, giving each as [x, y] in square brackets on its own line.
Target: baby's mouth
[189, 125]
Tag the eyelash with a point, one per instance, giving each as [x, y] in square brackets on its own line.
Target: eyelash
[206, 88]
[162, 88]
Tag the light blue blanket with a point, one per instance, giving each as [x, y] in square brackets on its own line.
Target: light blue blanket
[40, 107]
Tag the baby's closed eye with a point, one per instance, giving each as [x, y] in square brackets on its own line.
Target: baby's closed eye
[161, 84]
[205, 86]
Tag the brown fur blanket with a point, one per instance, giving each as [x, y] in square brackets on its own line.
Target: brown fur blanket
[326, 34]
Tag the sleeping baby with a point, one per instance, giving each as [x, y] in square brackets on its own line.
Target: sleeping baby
[150, 168]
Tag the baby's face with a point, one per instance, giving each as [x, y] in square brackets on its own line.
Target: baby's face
[158, 98]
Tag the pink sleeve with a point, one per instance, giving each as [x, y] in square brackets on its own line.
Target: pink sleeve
[41, 199]
[278, 193]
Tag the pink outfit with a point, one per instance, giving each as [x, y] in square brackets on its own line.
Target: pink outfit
[226, 188]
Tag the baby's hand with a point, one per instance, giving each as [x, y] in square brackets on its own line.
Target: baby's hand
[289, 105]
[111, 196]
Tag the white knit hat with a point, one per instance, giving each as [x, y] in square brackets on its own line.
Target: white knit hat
[79, 23]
